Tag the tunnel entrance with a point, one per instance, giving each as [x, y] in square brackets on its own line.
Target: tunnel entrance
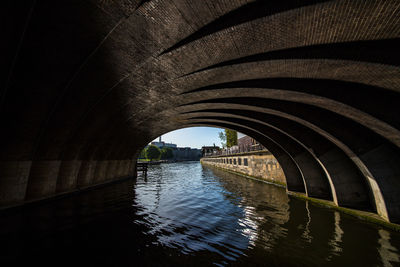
[86, 84]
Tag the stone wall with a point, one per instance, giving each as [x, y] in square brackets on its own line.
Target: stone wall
[37, 180]
[261, 165]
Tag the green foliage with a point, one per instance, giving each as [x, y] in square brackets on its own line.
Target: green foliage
[142, 154]
[166, 153]
[231, 137]
[153, 152]
[222, 136]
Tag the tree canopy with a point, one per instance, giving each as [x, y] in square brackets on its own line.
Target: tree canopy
[167, 153]
[222, 136]
[142, 154]
[228, 138]
[231, 137]
[153, 152]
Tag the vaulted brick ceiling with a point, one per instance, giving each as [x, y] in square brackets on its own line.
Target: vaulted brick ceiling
[317, 82]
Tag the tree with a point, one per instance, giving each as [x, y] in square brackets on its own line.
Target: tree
[153, 152]
[142, 154]
[231, 137]
[222, 136]
[166, 153]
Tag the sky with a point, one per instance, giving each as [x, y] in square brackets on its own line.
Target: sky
[194, 137]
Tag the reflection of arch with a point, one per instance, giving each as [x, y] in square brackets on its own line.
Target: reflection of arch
[387, 252]
[83, 96]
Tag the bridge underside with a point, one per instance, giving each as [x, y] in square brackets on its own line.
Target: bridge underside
[86, 84]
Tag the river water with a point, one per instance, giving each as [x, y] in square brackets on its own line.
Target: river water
[185, 214]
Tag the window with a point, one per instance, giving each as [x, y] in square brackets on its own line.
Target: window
[230, 161]
[245, 162]
[234, 161]
[239, 161]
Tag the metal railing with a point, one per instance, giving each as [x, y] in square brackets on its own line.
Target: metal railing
[235, 150]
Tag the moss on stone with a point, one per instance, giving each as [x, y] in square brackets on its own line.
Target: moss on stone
[362, 215]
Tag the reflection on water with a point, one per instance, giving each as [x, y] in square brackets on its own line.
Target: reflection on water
[186, 214]
[388, 253]
[336, 241]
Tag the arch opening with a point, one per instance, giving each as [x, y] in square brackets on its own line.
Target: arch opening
[81, 98]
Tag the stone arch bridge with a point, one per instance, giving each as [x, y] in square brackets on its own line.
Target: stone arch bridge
[85, 84]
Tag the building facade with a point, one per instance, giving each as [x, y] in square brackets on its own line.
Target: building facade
[245, 144]
[210, 150]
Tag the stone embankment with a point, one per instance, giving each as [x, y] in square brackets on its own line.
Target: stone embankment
[260, 165]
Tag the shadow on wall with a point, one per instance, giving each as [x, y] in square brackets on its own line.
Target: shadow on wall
[59, 117]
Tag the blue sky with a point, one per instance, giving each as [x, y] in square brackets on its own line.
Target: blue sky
[195, 137]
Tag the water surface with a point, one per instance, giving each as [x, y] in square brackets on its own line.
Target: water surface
[186, 214]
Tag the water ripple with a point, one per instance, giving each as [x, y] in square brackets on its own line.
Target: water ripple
[188, 215]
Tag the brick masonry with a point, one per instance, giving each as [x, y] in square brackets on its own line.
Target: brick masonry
[87, 84]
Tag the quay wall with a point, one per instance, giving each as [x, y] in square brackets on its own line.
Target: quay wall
[260, 165]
